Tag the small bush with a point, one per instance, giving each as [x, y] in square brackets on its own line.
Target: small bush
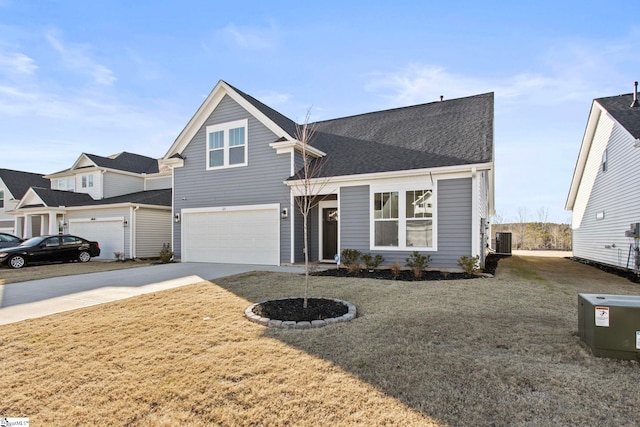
[396, 268]
[351, 259]
[166, 254]
[470, 265]
[372, 261]
[119, 256]
[418, 262]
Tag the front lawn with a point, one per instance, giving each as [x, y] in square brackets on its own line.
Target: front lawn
[501, 351]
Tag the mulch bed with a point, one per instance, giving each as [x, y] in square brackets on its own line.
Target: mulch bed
[491, 264]
[291, 309]
[630, 275]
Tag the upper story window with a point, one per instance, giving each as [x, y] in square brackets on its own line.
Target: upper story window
[87, 181]
[68, 184]
[227, 145]
[1, 198]
[605, 160]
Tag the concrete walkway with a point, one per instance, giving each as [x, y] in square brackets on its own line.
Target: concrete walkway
[37, 298]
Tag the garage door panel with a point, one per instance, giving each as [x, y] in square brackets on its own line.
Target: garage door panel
[234, 236]
[108, 234]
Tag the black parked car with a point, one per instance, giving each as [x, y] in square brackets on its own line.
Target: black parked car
[62, 247]
[9, 240]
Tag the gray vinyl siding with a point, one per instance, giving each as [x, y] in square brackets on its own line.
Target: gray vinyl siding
[454, 223]
[261, 182]
[115, 184]
[157, 183]
[153, 229]
[616, 194]
[354, 218]
[121, 212]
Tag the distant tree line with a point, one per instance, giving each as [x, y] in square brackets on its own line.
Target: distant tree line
[530, 235]
[536, 235]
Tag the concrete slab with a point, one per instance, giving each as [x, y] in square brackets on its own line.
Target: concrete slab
[37, 298]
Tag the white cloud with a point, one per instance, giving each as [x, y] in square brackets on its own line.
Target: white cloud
[257, 38]
[78, 58]
[275, 99]
[17, 63]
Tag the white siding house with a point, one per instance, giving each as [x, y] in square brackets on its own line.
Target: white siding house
[604, 196]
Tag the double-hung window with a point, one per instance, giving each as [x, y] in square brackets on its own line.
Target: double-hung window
[227, 145]
[87, 181]
[403, 219]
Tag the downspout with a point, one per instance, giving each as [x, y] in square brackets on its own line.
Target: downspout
[475, 217]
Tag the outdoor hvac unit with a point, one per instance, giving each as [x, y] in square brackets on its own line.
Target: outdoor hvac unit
[503, 243]
[610, 324]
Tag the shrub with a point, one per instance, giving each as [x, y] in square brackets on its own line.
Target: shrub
[396, 268]
[372, 261]
[119, 256]
[470, 265]
[351, 259]
[418, 262]
[166, 254]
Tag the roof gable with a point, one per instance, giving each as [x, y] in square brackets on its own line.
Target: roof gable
[18, 182]
[274, 121]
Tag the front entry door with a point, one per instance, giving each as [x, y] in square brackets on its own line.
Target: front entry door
[329, 233]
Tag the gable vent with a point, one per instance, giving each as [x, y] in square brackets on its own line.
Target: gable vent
[635, 103]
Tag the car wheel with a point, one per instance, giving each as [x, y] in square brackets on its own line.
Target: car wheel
[17, 261]
[84, 256]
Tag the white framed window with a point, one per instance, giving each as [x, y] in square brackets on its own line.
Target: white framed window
[87, 181]
[403, 219]
[605, 160]
[1, 198]
[226, 144]
[67, 184]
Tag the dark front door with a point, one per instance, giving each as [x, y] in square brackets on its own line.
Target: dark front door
[329, 233]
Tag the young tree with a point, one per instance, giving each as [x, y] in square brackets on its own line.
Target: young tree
[308, 189]
[522, 225]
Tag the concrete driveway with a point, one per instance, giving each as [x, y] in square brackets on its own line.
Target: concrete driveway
[37, 298]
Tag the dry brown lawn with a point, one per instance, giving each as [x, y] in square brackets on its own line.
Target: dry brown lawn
[501, 351]
[46, 271]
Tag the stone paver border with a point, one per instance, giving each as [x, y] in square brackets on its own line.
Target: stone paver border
[273, 323]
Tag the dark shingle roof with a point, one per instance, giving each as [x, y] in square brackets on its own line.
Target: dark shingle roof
[55, 198]
[127, 162]
[619, 108]
[445, 133]
[19, 182]
[285, 123]
[160, 197]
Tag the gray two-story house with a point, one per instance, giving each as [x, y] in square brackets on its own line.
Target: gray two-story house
[418, 178]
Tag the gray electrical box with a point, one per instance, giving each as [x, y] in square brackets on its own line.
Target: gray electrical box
[610, 325]
[633, 231]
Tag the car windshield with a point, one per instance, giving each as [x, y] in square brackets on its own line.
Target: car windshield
[34, 241]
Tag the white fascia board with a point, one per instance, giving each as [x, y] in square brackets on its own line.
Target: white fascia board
[289, 146]
[366, 179]
[115, 206]
[208, 106]
[581, 162]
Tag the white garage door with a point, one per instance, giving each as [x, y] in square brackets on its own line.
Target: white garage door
[238, 235]
[109, 233]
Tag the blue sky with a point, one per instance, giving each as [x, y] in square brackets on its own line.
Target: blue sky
[109, 76]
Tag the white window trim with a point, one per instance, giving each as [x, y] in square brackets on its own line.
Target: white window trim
[402, 213]
[225, 127]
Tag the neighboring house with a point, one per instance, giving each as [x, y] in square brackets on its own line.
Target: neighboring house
[409, 179]
[122, 201]
[604, 196]
[13, 185]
